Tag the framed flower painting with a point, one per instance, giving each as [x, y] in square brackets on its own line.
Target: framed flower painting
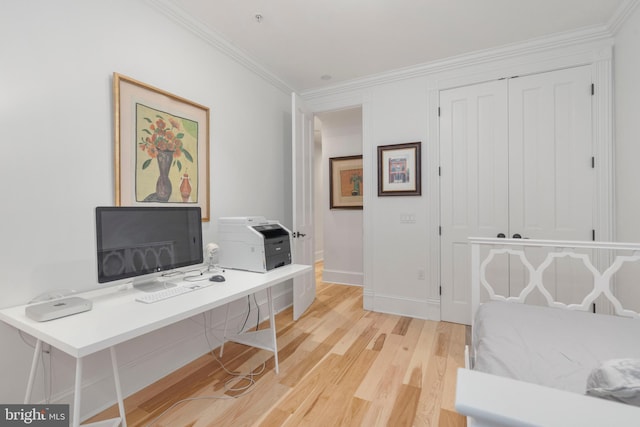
[161, 147]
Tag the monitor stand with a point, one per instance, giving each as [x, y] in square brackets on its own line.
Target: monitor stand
[152, 284]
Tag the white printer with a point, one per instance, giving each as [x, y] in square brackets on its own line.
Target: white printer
[253, 243]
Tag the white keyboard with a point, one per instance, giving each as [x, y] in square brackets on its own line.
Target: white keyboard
[151, 297]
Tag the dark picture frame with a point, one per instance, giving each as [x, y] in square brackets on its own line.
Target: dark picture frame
[345, 182]
[399, 169]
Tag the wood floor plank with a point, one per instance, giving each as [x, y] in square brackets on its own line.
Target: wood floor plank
[391, 386]
[455, 360]
[297, 372]
[301, 400]
[420, 356]
[353, 333]
[354, 413]
[405, 406]
[333, 403]
[385, 326]
[339, 365]
[243, 410]
[311, 385]
[451, 419]
[402, 326]
[378, 374]
[428, 411]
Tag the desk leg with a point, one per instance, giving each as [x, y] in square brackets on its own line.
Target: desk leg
[272, 324]
[263, 338]
[224, 334]
[76, 393]
[116, 379]
[34, 368]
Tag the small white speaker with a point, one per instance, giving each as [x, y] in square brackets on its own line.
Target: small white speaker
[211, 252]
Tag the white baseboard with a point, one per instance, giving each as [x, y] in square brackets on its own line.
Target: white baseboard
[421, 309]
[343, 277]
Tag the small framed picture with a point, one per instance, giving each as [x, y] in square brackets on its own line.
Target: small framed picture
[345, 186]
[399, 170]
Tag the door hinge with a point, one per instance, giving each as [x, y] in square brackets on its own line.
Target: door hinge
[593, 89]
[440, 291]
[438, 111]
[593, 307]
[593, 162]
[593, 235]
[439, 171]
[439, 230]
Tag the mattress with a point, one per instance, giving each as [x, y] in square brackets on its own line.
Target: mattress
[549, 346]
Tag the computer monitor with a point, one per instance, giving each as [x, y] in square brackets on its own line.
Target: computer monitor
[142, 242]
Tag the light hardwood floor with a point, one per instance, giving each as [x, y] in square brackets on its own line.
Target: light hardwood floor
[339, 365]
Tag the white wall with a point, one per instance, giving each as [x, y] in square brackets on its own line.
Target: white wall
[343, 228]
[627, 130]
[401, 248]
[318, 194]
[56, 116]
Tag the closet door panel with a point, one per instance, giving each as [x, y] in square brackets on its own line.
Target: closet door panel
[551, 179]
[473, 155]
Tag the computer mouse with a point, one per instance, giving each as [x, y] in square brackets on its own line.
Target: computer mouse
[217, 278]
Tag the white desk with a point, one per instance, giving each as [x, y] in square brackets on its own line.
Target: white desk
[116, 317]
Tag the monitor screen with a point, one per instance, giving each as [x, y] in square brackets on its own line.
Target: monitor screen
[137, 241]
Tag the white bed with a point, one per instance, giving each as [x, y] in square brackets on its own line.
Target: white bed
[530, 363]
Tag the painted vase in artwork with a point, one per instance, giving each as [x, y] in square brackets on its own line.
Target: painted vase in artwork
[163, 185]
[185, 187]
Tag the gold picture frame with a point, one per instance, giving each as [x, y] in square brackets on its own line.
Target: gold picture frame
[399, 171]
[161, 147]
[345, 186]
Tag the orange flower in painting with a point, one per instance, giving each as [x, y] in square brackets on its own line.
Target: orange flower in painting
[161, 137]
[152, 151]
[174, 123]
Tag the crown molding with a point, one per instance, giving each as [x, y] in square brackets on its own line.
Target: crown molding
[179, 16]
[561, 40]
[621, 15]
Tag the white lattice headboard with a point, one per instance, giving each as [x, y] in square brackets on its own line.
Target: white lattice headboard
[619, 254]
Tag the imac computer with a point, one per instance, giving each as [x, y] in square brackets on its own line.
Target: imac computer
[143, 242]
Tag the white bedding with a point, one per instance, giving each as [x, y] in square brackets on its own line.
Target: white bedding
[549, 346]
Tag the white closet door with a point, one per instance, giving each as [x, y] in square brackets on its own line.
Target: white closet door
[474, 184]
[551, 179]
[516, 159]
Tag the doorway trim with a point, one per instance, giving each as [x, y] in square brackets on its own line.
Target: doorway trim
[361, 100]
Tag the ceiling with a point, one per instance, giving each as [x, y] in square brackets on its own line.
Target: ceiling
[313, 44]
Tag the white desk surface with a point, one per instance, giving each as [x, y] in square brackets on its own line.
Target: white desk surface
[116, 317]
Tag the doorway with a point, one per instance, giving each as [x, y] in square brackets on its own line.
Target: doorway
[339, 232]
